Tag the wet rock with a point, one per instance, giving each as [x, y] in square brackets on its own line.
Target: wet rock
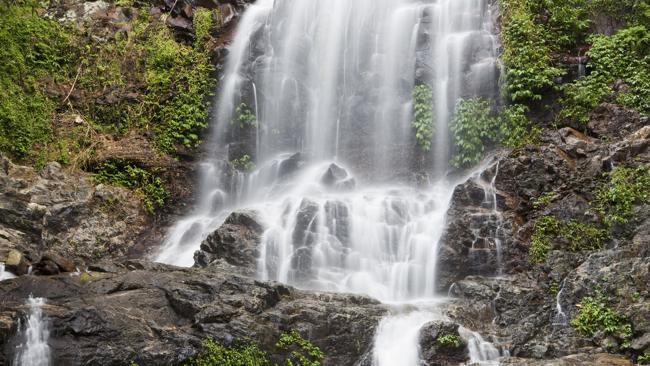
[441, 344]
[52, 263]
[236, 242]
[159, 315]
[333, 174]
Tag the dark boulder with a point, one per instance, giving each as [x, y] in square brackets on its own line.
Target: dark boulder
[441, 344]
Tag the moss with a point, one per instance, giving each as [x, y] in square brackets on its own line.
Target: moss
[543, 200]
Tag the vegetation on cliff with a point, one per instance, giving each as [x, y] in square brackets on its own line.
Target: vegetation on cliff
[68, 88]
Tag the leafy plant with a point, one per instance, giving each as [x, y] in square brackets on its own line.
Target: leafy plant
[245, 163]
[472, 127]
[623, 56]
[543, 200]
[245, 116]
[594, 316]
[615, 199]
[242, 354]
[303, 352]
[515, 129]
[423, 119]
[149, 187]
[449, 339]
[545, 229]
[644, 358]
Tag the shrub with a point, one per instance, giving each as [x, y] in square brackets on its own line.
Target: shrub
[625, 56]
[423, 119]
[615, 199]
[515, 129]
[149, 187]
[472, 127]
[594, 316]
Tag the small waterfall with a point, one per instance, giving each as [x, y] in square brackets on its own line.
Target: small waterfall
[582, 71]
[5, 275]
[560, 318]
[34, 351]
[481, 352]
[397, 341]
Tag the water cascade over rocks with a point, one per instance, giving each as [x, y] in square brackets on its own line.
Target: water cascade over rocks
[4, 274]
[318, 95]
[34, 350]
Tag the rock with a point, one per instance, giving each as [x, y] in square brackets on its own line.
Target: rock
[16, 263]
[291, 165]
[437, 351]
[333, 174]
[52, 263]
[600, 359]
[58, 212]
[159, 315]
[613, 121]
[236, 242]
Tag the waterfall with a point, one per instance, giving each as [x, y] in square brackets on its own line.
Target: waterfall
[481, 352]
[560, 318]
[34, 351]
[5, 275]
[336, 162]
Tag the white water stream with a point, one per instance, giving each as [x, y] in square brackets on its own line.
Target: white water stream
[34, 350]
[333, 80]
[5, 275]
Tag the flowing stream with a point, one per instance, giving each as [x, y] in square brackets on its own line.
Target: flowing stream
[330, 83]
[5, 275]
[34, 350]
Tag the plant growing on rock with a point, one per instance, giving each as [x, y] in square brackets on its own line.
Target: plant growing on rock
[472, 127]
[615, 199]
[245, 116]
[150, 188]
[245, 163]
[543, 200]
[449, 339]
[303, 352]
[423, 119]
[595, 316]
[580, 236]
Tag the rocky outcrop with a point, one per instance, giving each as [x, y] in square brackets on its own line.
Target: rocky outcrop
[441, 344]
[236, 242]
[65, 215]
[527, 308]
[159, 315]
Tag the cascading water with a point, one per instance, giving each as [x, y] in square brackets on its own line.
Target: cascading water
[5, 275]
[34, 351]
[560, 318]
[330, 83]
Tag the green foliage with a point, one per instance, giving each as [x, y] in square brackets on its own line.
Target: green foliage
[543, 200]
[615, 199]
[625, 56]
[644, 358]
[245, 116]
[303, 352]
[30, 52]
[242, 354]
[582, 236]
[625, 11]
[149, 187]
[527, 51]
[515, 129]
[449, 339]
[594, 316]
[245, 163]
[472, 127]
[545, 229]
[183, 72]
[579, 236]
[423, 119]
[202, 22]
